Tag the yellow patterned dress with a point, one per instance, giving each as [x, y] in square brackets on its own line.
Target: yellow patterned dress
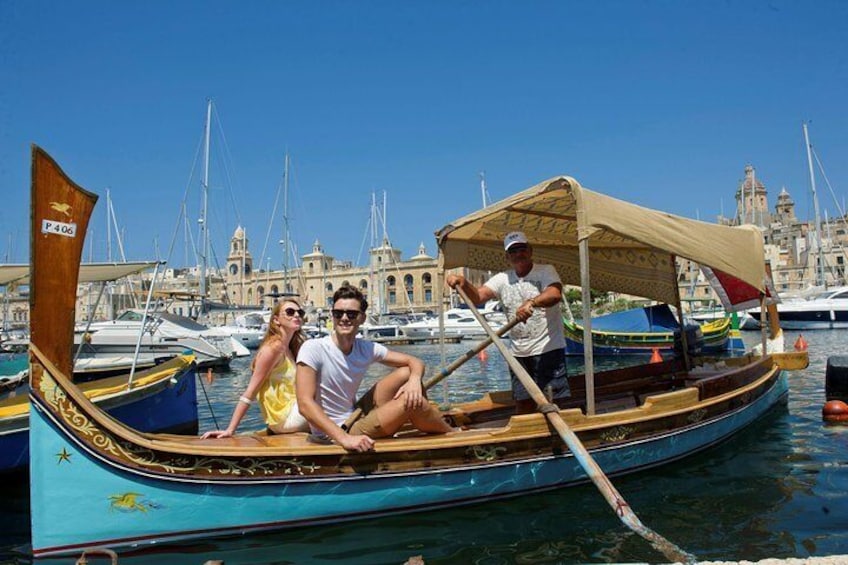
[277, 400]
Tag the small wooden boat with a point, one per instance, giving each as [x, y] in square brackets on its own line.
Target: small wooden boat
[643, 330]
[134, 489]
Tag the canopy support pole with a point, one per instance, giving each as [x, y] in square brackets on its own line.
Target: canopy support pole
[588, 345]
[763, 325]
[684, 342]
[440, 312]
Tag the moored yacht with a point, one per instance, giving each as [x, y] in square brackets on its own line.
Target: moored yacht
[248, 329]
[163, 333]
[823, 311]
[458, 322]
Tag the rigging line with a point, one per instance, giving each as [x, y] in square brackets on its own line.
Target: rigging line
[262, 256]
[834, 268]
[114, 217]
[227, 162]
[365, 237]
[827, 182]
[292, 196]
[381, 217]
[183, 215]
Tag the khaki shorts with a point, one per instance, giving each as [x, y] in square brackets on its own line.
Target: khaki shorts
[368, 425]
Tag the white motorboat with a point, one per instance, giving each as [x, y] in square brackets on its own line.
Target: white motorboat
[458, 322]
[248, 329]
[163, 333]
[824, 310]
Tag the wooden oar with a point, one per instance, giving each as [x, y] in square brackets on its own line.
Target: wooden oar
[551, 412]
[443, 373]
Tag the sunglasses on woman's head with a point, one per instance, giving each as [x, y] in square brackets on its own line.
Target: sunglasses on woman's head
[290, 312]
[351, 314]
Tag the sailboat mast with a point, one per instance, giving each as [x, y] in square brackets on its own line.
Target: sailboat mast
[286, 224]
[820, 271]
[243, 262]
[384, 246]
[483, 188]
[204, 231]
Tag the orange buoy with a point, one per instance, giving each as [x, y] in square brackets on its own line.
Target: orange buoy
[800, 343]
[835, 411]
[655, 355]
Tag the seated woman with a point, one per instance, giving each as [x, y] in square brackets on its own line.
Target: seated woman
[272, 381]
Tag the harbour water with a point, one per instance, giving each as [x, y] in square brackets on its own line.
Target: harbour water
[778, 489]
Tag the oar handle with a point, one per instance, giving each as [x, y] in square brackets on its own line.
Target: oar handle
[592, 469]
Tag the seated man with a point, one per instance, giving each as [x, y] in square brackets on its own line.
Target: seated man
[330, 370]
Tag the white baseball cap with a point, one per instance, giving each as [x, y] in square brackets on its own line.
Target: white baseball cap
[514, 237]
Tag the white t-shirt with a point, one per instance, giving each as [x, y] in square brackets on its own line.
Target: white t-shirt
[339, 375]
[543, 331]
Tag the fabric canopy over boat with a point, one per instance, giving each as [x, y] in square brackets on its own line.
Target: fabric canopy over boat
[632, 249]
[89, 272]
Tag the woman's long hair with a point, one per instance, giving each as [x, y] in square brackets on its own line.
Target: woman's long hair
[274, 331]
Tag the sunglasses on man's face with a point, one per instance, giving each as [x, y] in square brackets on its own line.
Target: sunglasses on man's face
[339, 314]
[290, 312]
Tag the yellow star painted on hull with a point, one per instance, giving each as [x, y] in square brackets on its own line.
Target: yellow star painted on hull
[63, 456]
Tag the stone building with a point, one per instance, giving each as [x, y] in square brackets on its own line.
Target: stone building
[391, 283]
[792, 246]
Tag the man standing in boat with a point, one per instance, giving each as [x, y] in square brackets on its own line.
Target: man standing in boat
[532, 293]
[330, 370]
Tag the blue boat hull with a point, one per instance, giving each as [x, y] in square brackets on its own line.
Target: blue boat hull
[169, 408]
[124, 508]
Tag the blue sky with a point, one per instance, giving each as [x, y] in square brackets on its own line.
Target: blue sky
[661, 103]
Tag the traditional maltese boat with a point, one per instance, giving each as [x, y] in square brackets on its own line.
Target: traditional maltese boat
[642, 331]
[135, 489]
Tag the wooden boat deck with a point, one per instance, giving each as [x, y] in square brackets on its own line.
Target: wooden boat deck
[490, 419]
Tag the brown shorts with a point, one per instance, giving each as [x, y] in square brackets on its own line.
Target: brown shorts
[368, 425]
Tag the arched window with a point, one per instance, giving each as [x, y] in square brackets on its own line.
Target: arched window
[407, 281]
[363, 284]
[390, 281]
[233, 269]
[260, 290]
[427, 278]
[274, 289]
[311, 267]
[329, 287]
